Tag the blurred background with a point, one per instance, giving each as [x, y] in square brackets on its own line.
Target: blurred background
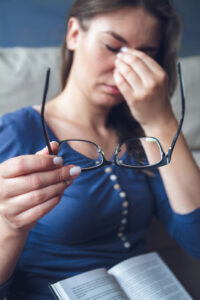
[33, 23]
[41, 23]
[31, 33]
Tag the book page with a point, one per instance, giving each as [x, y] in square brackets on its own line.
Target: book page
[92, 285]
[147, 277]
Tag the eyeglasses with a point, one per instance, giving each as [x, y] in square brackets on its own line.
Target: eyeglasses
[135, 153]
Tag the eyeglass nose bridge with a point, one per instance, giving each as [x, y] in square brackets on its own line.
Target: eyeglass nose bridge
[105, 161]
[109, 162]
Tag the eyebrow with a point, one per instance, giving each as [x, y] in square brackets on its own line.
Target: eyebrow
[116, 36]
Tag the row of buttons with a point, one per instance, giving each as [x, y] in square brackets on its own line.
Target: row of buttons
[125, 205]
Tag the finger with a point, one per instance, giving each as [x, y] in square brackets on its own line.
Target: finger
[26, 164]
[126, 90]
[32, 182]
[129, 74]
[35, 213]
[142, 70]
[19, 204]
[43, 151]
[150, 62]
[54, 148]
[151, 73]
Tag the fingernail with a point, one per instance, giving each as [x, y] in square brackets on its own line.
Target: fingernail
[119, 55]
[124, 49]
[116, 62]
[75, 171]
[58, 160]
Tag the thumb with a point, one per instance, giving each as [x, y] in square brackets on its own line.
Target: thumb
[45, 151]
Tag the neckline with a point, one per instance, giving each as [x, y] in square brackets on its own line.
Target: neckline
[53, 137]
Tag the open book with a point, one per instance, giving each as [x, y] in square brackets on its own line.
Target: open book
[139, 278]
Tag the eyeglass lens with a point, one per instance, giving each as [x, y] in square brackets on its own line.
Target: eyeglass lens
[143, 151]
[81, 153]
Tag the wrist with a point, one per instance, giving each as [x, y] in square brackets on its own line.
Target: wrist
[161, 126]
[10, 232]
[12, 243]
[164, 131]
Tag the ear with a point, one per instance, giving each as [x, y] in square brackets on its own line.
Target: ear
[73, 34]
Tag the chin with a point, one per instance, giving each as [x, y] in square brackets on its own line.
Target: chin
[110, 101]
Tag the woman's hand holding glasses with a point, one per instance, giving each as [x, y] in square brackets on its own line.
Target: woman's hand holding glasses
[31, 186]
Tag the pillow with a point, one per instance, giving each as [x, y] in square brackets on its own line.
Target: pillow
[22, 76]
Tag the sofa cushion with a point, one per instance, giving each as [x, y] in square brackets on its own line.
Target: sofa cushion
[22, 76]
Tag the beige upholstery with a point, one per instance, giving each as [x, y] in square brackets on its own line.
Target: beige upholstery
[22, 76]
[191, 79]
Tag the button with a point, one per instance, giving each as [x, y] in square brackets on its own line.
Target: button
[127, 245]
[125, 204]
[113, 177]
[125, 212]
[120, 234]
[123, 238]
[108, 170]
[116, 186]
[121, 228]
[124, 221]
[122, 195]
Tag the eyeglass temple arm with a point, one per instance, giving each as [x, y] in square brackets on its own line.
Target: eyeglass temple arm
[171, 148]
[42, 112]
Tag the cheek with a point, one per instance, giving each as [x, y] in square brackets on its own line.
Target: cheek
[99, 60]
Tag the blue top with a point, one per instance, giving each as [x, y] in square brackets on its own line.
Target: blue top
[101, 220]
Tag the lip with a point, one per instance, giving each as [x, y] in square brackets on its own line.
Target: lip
[112, 89]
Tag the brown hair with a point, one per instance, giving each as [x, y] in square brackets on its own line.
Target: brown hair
[120, 118]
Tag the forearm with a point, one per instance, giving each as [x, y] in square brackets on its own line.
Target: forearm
[11, 246]
[145, 87]
[181, 177]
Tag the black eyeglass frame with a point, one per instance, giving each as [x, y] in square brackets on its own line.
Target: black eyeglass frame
[165, 157]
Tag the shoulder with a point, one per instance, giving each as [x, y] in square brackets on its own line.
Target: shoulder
[18, 132]
[13, 117]
[19, 121]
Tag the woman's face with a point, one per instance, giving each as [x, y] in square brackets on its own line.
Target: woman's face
[95, 50]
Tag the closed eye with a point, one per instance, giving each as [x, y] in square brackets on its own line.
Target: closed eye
[115, 50]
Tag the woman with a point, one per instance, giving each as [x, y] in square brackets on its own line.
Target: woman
[56, 221]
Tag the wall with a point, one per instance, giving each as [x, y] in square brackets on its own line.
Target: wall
[41, 23]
